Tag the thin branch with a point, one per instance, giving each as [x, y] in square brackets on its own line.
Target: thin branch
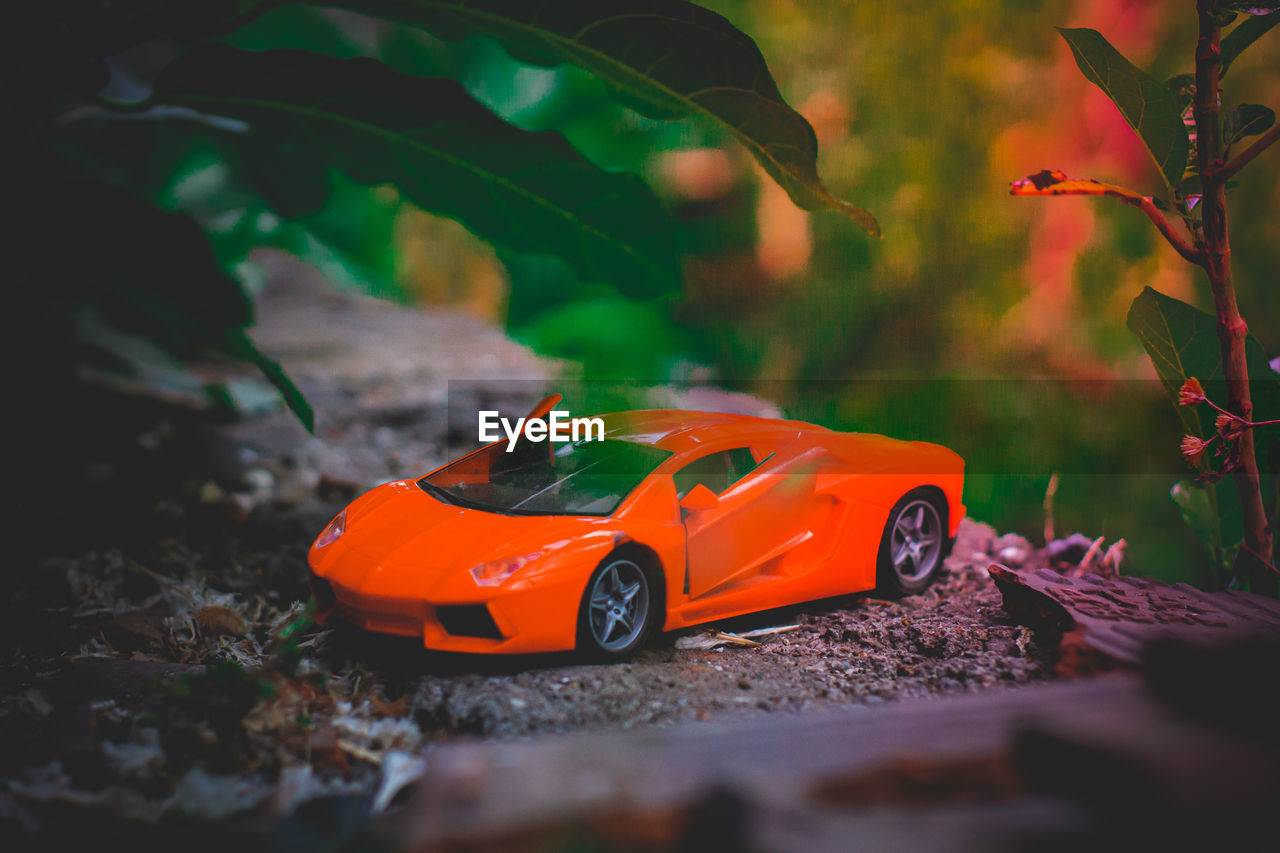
[1049, 183]
[1225, 171]
[1180, 245]
[1259, 558]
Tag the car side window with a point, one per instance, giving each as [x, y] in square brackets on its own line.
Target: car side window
[717, 471]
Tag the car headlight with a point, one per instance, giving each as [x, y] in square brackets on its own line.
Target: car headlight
[335, 529]
[495, 572]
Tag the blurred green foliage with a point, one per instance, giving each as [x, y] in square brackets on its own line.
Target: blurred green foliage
[925, 109]
[923, 335]
[256, 134]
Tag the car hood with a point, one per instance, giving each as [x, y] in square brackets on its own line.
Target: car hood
[399, 529]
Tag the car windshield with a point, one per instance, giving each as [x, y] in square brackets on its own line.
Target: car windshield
[540, 478]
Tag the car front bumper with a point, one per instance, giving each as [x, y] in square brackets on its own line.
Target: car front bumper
[516, 618]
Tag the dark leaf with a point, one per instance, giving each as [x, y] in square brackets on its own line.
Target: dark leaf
[1147, 105]
[289, 174]
[1182, 342]
[1247, 120]
[1249, 31]
[446, 153]
[665, 58]
[1183, 87]
[1248, 7]
[93, 29]
[148, 271]
[297, 27]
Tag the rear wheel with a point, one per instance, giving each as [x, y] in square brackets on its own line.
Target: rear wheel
[616, 615]
[914, 543]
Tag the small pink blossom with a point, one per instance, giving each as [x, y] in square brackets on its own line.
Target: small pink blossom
[1193, 449]
[1229, 427]
[1191, 393]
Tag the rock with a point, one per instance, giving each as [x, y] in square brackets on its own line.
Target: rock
[1011, 549]
[1070, 550]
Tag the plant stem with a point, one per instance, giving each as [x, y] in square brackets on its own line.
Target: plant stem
[1238, 162]
[1051, 183]
[1232, 330]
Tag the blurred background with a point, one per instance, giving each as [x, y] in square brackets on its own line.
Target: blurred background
[990, 324]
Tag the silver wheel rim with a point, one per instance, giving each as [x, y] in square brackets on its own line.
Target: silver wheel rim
[619, 605]
[916, 542]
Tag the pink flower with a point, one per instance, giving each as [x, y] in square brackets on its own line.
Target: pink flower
[1229, 426]
[1193, 449]
[1191, 394]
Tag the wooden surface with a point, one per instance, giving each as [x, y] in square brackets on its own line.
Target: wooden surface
[1108, 620]
[1001, 770]
[1183, 755]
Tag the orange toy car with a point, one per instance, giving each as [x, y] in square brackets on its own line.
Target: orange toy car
[673, 519]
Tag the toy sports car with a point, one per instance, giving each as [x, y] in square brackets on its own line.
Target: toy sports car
[672, 519]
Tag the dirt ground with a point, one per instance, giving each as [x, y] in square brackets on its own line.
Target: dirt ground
[169, 668]
[123, 698]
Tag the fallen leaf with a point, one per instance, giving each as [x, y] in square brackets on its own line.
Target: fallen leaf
[222, 621]
[713, 639]
[764, 632]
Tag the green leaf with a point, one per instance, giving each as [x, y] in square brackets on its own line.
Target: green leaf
[1247, 120]
[1183, 87]
[239, 345]
[665, 58]
[1248, 31]
[1147, 105]
[445, 152]
[1196, 504]
[1182, 342]
[296, 27]
[1212, 511]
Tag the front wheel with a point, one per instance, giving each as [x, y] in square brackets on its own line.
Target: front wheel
[914, 543]
[616, 613]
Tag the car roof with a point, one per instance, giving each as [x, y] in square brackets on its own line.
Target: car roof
[679, 430]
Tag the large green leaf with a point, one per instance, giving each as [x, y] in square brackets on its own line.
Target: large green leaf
[665, 58]
[1245, 33]
[1147, 105]
[1182, 342]
[446, 152]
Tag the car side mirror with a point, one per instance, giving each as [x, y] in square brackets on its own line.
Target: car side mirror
[700, 499]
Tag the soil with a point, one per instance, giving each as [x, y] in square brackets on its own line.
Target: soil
[853, 650]
[169, 668]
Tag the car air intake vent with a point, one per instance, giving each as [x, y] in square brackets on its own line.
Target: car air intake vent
[323, 591]
[468, 620]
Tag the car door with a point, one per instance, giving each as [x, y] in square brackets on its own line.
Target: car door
[759, 514]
